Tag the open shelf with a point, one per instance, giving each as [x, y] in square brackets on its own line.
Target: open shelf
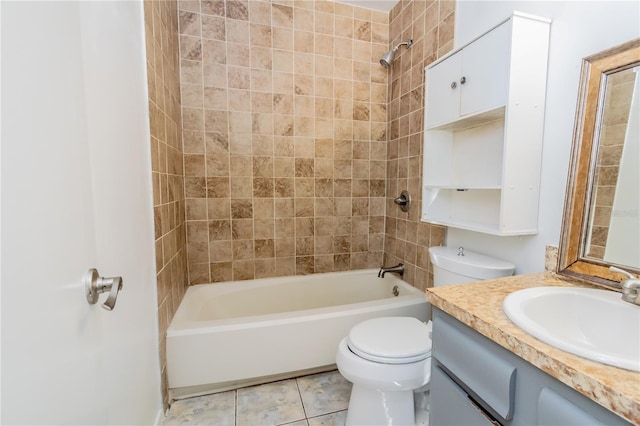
[463, 188]
[469, 158]
[473, 208]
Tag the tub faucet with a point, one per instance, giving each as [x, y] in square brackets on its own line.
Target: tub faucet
[398, 269]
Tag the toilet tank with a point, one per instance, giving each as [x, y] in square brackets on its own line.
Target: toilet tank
[451, 267]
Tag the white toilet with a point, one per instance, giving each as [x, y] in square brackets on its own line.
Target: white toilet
[389, 358]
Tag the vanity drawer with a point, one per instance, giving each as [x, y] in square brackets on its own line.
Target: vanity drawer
[451, 405]
[470, 361]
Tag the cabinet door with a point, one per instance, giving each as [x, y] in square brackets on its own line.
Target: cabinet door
[443, 100]
[553, 409]
[484, 78]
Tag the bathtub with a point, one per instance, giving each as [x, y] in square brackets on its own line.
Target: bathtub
[232, 334]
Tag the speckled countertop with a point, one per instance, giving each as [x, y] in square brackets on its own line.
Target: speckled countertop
[480, 307]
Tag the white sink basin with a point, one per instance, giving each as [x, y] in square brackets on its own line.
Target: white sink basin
[594, 324]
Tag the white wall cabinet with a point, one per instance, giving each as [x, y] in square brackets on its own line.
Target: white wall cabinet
[471, 80]
[484, 118]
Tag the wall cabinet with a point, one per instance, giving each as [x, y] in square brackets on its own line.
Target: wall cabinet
[484, 114]
[474, 381]
[471, 80]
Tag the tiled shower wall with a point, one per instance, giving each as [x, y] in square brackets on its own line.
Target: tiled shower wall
[431, 26]
[161, 24]
[284, 110]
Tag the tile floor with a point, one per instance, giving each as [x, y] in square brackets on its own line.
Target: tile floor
[316, 400]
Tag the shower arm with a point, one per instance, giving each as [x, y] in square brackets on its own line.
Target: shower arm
[404, 43]
[387, 59]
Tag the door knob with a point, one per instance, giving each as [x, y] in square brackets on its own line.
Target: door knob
[94, 285]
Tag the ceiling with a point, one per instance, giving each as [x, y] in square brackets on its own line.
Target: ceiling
[383, 5]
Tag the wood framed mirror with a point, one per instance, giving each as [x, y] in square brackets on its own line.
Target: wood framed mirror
[601, 224]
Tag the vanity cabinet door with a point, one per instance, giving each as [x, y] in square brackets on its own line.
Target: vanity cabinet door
[553, 409]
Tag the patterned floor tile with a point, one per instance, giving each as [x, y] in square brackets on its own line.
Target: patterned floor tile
[324, 393]
[270, 404]
[216, 409]
[325, 397]
[333, 419]
[298, 423]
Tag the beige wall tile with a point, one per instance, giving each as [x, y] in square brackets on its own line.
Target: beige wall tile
[165, 68]
[237, 9]
[343, 26]
[237, 31]
[213, 27]
[302, 17]
[406, 239]
[221, 271]
[212, 7]
[302, 136]
[282, 16]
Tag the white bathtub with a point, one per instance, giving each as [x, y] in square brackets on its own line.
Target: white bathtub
[231, 334]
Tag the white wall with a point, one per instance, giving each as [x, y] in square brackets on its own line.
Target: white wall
[578, 29]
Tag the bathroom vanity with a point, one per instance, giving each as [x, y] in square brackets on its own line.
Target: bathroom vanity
[488, 371]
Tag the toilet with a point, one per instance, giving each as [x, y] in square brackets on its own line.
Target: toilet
[388, 359]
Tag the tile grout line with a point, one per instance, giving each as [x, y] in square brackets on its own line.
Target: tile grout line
[304, 410]
[235, 397]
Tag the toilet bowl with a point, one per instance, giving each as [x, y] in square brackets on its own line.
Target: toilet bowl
[386, 359]
[389, 359]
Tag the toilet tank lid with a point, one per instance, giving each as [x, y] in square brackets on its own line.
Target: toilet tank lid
[472, 264]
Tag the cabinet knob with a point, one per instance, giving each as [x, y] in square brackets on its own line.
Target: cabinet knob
[454, 84]
[463, 80]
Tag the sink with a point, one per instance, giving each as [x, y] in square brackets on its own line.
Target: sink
[594, 324]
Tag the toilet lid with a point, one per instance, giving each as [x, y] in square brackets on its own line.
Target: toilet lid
[391, 340]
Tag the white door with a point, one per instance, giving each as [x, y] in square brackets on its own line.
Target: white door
[76, 194]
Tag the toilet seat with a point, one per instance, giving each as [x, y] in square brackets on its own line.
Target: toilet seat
[391, 340]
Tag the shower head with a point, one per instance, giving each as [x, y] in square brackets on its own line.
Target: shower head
[387, 59]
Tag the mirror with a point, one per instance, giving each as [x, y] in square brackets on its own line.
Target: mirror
[601, 225]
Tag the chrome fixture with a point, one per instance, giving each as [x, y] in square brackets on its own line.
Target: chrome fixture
[94, 285]
[398, 269]
[460, 251]
[404, 201]
[387, 58]
[454, 84]
[630, 286]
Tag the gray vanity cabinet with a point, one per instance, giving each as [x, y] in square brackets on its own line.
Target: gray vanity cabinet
[474, 381]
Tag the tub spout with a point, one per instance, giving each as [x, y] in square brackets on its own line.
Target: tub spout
[398, 269]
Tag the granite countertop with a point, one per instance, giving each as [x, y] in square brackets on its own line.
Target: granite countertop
[480, 307]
